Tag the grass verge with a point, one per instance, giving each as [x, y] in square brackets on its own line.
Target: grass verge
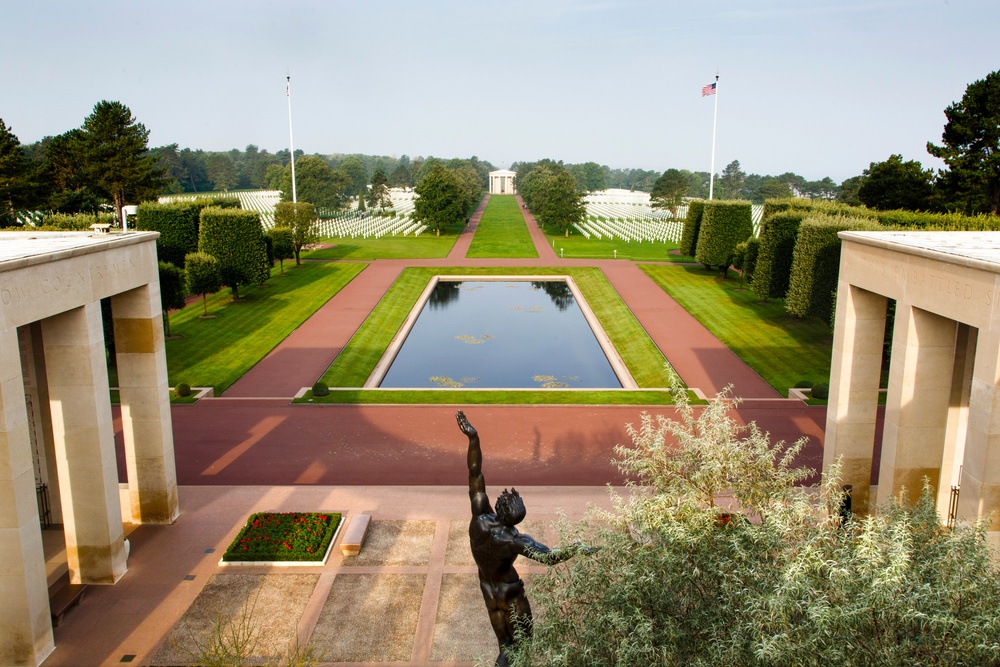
[502, 231]
[215, 352]
[425, 246]
[578, 246]
[782, 349]
[355, 363]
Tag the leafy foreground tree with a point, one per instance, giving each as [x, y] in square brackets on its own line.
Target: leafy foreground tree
[202, 275]
[300, 219]
[678, 581]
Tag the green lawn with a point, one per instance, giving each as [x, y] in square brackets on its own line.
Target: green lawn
[781, 348]
[355, 363]
[425, 246]
[216, 352]
[578, 246]
[502, 231]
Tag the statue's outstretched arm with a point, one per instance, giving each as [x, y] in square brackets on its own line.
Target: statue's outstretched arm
[537, 551]
[477, 483]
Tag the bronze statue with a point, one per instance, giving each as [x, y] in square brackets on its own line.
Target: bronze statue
[496, 544]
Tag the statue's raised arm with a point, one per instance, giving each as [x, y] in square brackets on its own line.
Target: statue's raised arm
[477, 484]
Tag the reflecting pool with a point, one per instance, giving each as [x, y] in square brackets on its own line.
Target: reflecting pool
[501, 334]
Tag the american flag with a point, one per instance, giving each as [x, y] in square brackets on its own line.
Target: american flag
[708, 90]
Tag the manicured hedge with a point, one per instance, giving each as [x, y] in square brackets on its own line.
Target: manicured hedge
[178, 227]
[938, 221]
[777, 244]
[751, 257]
[723, 225]
[689, 237]
[816, 263]
[236, 239]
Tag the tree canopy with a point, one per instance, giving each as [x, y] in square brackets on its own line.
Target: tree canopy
[15, 176]
[669, 190]
[895, 184]
[441, 202]
[970, 144]
[316, 182]
[115, 156]
[300, 219]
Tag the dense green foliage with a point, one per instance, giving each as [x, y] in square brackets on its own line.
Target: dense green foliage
[774, 261]
[723, 225]
[203, 275]
[300, 219]
[316, 182]
[970, 146]
[692, 225]
[895, 184]
[751, 253]
[177, 224]
[16, 178]
[446, 197]
[236, 239]
[501, 231]
[816, 264]
[558, 204]
[669, 190]
[171, 290]
[678, 581]
[282, 245]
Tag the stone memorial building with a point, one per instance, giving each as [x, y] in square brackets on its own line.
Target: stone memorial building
[57, 441]
[942, 407]
[502, 182]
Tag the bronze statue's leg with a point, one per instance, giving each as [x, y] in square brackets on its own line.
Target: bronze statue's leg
[522, 612]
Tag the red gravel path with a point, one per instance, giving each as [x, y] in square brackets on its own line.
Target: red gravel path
[253, 435]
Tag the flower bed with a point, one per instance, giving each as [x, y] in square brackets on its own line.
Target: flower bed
[284, 536]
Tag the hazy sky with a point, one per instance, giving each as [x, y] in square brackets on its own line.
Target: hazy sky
[817, 87]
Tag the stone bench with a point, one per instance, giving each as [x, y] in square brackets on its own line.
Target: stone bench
[354, 534]
[62, 596]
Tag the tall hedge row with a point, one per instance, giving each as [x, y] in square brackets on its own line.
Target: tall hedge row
[816, 263]
[178, 227]
[236, 239]
[723, 225]
[774, 263]
[689, 237]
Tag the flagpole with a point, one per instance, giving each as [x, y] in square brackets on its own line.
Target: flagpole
[291, 144]
[715, 120]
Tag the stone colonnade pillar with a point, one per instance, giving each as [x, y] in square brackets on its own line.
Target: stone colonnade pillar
[854, 379]
[980, 496]
[142, 379]
[916, 413]
[26, 636]
[85, 451]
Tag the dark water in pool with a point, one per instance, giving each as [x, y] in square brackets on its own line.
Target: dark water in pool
[485, 334]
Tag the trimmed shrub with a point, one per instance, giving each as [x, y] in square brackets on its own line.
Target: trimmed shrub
[236, 239]
[203, 275]
[821, 390]
[777, 245]
[282, 244]
[689, 237]
[739, 255]
[182, 390]
[723, 225]
[71, 222]
[803, 384]
[177, 224]
[320, 389]
[816, 264]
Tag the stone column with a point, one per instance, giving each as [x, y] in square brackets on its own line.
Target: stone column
[854, 381]
[26, 638]
[916, 411]
[85, 444]
[980, 494]
[145, 401]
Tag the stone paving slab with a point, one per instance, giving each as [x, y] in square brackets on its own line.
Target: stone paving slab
[395, 543]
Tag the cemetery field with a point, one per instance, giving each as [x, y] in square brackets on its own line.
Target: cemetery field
[425, 246]
[355, 363]
[782, 349]
[502, 231]
[216, 352]
[578, 246]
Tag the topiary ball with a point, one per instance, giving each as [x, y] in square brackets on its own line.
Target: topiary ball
[183, 389]
[320, 389]
[821, 390]
[803, 384]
